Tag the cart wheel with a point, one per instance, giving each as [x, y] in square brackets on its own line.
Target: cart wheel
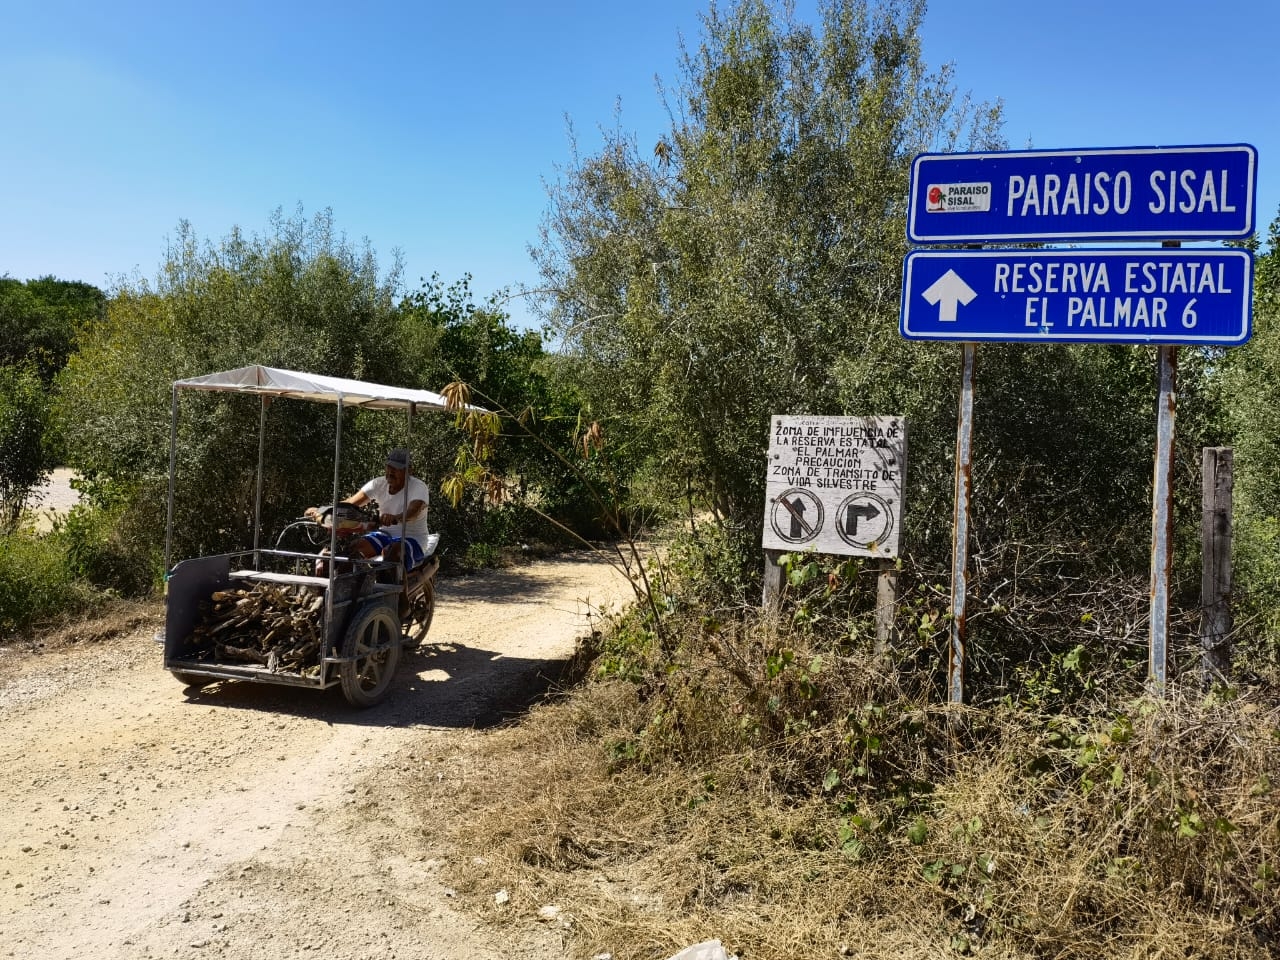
[191, 679]
[421, 611]
[373, 643]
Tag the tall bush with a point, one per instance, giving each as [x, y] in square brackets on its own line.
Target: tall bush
[1251, 398]
[724, 275]
[24, 411]
[300, 297]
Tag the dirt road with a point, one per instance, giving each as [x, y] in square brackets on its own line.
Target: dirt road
[250, 821]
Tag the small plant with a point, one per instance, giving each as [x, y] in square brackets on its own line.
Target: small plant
[36, 584]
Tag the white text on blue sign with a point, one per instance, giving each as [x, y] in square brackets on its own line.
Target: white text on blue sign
[1172, 296]
[1179, 193]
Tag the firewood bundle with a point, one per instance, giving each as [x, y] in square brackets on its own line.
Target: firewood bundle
[278, 627]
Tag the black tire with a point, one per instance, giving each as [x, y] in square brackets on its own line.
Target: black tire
[192, 679]
[373, 644]
[421, 612]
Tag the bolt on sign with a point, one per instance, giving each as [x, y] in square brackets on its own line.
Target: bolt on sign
[834, 485]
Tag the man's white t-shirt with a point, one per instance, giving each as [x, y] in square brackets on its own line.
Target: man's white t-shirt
[414, 489]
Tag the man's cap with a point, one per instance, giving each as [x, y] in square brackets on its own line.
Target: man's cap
[398, 458]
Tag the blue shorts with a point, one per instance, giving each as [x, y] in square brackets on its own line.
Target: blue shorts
[382, 540]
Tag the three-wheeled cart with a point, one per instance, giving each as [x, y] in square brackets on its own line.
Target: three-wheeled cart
[340, 622]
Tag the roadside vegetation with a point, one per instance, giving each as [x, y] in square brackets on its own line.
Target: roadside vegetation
[771, 778]
[776, 779]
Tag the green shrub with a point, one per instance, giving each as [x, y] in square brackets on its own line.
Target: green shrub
[101, 546]
[24, 410]
[36, 584]
[481, 555]
[1257, 573]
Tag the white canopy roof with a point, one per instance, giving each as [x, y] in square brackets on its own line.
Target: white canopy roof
[274, 382]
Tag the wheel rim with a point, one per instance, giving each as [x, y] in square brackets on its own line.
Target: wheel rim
[373, 649]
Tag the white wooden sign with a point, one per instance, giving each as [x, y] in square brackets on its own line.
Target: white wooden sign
[835, 485]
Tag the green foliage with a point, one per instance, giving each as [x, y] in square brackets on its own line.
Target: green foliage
[708, 564]
[1251, 389]
[1251, 401]
[505, 370]
[40, 319]
[723, 278]
[299, 298]
[481, 555]
[36, 585]
[24, 465]
[105, 545]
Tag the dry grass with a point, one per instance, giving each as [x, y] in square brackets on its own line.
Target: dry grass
[794, 812]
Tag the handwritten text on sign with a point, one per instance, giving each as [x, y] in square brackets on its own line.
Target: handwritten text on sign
[834, 485]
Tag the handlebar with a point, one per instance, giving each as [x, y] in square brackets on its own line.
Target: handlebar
[352, 522]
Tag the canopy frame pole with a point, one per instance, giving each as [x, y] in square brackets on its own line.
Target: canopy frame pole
[257, 497]
[173, 460]
[333, 526]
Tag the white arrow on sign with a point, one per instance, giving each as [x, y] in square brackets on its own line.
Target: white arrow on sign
[948, 290]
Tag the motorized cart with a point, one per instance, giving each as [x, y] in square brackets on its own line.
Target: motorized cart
[298, 613]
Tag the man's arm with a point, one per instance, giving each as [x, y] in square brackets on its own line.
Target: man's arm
[415, 508]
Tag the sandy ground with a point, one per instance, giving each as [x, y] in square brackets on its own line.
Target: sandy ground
[255, 822]
[55, 498]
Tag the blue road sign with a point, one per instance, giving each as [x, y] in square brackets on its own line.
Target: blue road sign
[1134, 193]
[1156, 296]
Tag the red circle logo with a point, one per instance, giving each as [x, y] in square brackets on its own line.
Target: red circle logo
[935, 195]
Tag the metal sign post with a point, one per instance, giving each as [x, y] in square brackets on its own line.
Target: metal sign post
[960, 530]
[1162, 520]
[1161, 297]
[1162, 516]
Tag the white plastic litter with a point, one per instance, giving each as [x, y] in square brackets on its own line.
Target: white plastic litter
[707, 950]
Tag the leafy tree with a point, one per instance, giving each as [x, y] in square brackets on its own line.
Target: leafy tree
[1251, 377]
[39, 320]
[751, 263]
[23, 466]
[301, 298]
[1251, 397]
[506, 370]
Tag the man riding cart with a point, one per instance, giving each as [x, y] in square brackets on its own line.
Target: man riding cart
[290, 616]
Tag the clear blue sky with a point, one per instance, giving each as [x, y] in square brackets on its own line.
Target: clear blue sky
[431, 128]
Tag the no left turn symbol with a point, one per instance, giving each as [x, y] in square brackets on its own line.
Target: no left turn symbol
[796, 515]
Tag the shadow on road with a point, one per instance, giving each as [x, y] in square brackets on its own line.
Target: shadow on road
[444, 685]
[448, 684]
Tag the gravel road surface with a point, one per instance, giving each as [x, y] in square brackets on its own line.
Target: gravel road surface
[259, 822]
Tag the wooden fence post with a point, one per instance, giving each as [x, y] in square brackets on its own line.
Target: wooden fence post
[1216, 480]
[886, 608]
[772, 580]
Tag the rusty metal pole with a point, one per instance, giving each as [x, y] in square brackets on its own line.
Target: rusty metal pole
[1162, 515]
[960, 526]
[1162, 521]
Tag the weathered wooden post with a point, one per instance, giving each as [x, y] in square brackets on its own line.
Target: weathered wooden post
[1216, 481]
[886, 609]
[772, 580]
